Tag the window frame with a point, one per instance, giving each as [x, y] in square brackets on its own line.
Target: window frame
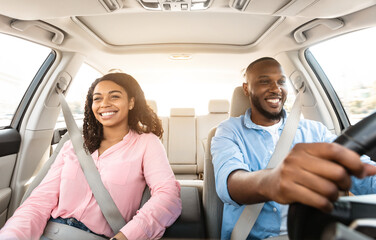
[329, 90]
[31, 90]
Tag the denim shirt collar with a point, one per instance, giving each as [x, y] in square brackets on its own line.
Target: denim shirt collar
[249, 124]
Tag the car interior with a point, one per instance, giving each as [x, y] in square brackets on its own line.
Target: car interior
[189, 57]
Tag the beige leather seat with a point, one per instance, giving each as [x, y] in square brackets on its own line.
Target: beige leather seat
[218, 111]
[213, 206]
[153, 105]
[182, 143]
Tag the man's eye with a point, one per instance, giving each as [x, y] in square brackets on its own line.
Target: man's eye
[115, 96]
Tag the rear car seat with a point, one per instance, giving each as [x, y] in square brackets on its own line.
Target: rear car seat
[153, 105]
[182, 143]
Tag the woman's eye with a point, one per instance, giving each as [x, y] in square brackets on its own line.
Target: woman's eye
[96, 99]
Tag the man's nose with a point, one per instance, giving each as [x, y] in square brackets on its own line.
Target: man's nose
[274, 87]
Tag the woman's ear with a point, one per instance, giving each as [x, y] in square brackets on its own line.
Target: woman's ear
[131, 103]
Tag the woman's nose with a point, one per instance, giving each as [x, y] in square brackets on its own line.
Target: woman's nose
[105, 102]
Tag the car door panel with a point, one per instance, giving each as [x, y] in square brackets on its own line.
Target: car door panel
[10, 141]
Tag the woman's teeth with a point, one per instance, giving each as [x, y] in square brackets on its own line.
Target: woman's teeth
[108, 113]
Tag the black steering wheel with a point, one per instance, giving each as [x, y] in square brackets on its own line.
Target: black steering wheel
[304, 222]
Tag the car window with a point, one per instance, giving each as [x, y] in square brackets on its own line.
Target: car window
[20, 60]
[185, 92]
[76, 95]
[348, 62]
[181, 90]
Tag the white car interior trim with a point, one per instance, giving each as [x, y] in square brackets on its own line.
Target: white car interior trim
[34, 151]
[5, 194]
[332, 24]
[295, 7]
[22, 25]
[111, 5]
[99, 28]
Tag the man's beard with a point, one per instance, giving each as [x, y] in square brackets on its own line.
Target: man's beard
[268, 115]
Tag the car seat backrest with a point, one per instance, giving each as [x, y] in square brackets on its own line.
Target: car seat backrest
[239, 102]
[153, 105]
[182, 143]
[218, 111]
[213, 206]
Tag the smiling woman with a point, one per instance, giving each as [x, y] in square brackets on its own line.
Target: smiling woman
[121, 133]
[110, 108]
[116, 102]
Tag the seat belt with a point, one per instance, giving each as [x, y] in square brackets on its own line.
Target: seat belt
[102, 196]
[251, 212]
[46, 166]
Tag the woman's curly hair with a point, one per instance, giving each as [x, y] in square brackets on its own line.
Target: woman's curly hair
[141, 118]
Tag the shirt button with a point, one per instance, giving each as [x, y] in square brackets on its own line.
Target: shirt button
[274, 209]
[271, 152]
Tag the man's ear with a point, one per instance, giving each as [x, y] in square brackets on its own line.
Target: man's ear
[245, 89]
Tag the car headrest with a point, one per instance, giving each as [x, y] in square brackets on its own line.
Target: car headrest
[239, 102]
[218, 106]
[182, 112]
[153, 105]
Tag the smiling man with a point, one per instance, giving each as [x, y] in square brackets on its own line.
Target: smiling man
[313, 173]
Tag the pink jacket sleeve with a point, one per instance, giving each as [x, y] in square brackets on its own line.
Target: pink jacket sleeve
[164, 206]
[29, 220]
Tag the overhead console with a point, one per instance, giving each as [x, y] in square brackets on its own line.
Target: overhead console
[175, 5]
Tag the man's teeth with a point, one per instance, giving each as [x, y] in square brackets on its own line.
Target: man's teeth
[273, 100]
[108, 113]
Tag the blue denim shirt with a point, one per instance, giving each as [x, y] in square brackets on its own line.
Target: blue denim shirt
[241, 144]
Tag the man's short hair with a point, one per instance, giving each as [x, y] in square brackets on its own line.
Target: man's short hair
[257, 61]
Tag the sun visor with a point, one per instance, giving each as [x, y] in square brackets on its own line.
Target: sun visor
[57, 8]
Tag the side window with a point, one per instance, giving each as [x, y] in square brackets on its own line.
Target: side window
[348, 63]
[20, 60]
[76, 95]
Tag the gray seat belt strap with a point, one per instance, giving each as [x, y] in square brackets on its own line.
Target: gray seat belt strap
[102, 196]
[251, 212]
[46, 166]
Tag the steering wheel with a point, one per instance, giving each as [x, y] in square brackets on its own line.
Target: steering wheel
[305, 222]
